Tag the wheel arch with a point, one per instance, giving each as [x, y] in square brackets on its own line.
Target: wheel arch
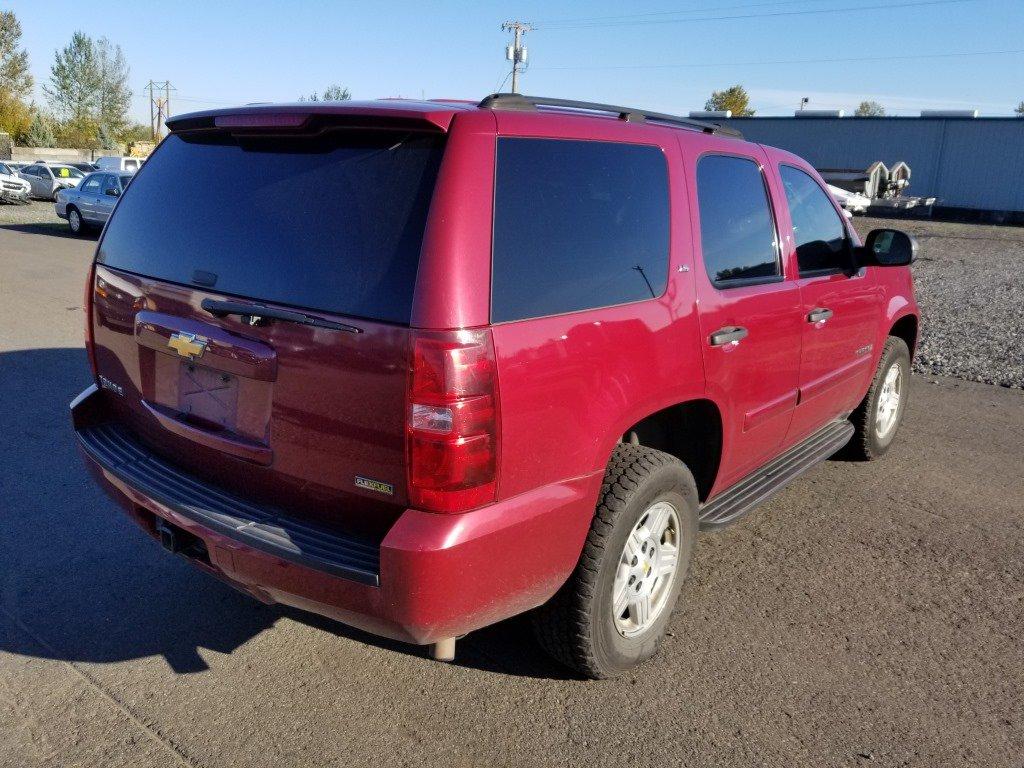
[906, 328]
[691, 431]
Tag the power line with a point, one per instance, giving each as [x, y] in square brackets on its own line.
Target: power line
[703, 64]
[678, 11]
[553, 27]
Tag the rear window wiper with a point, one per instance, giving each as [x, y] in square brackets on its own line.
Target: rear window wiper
[255, 314]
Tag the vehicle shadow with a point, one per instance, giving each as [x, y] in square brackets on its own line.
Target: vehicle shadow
[52, 228]
[80, 582]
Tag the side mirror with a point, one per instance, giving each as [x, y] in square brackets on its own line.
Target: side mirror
[887, 248]
[113, 192]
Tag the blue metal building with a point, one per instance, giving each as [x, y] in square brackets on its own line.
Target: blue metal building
[975, 164]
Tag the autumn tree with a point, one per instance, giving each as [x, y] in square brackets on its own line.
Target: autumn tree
[734, 99]
[869, 109]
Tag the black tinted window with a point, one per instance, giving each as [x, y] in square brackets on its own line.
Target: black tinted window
[817, 229]
[333, 223]
[577, 225]
[737, 230]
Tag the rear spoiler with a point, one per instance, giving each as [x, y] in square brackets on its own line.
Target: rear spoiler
[312, 117]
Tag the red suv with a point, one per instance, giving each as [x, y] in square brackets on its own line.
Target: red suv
[423, 366]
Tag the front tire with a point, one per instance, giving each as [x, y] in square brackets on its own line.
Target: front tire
[878, 417]
[612, 613]
[75, 221]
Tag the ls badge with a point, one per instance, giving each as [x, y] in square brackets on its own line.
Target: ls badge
[187, 345]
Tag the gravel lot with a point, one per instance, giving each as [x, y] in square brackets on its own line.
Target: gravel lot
[969, 280]
[970, 284]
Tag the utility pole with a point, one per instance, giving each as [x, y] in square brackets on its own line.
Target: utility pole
[152, 117]
[167, 98]
[516, 52]
[159, 107]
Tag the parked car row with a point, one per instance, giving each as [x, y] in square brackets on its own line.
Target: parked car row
[45, 179]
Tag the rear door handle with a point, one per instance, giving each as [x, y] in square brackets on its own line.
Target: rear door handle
[819, 315]
[728, 335]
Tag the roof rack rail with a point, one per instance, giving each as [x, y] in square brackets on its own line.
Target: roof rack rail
[629, 114]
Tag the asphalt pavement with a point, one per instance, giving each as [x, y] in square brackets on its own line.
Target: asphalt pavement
[871, 614]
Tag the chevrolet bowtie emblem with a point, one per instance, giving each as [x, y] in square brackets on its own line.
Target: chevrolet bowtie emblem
[188, 345]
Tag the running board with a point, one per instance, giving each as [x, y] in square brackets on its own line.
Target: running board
[733, 503]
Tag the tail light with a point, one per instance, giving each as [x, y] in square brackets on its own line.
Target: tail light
[453, 421]
[90, 347]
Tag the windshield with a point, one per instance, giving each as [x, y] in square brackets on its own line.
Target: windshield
[333, 223]
[66, 172]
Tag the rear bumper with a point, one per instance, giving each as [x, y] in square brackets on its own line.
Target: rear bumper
[433, 576]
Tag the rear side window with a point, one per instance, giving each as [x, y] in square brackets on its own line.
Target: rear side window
[737, 228]
[333, 222]
[818, 230]
[577, 225]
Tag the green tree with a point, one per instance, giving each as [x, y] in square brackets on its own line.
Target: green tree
[39, 133]
[1020, 109]
[15, 79]
[74, 90]
[104, 138]
[869, 109]
[115, 97]
[331, 93]
[136, 132]
[734, 99]
[336, 93]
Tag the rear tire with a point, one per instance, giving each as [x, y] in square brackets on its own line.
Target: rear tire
[878, 417]
[627, 557]
[75, 221]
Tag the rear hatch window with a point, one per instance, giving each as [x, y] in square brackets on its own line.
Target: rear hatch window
[333, 222]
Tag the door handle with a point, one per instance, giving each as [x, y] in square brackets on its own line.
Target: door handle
[819, 315]
[729, 335]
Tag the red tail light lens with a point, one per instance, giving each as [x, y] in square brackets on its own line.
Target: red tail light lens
[90, 347]
[453, 421]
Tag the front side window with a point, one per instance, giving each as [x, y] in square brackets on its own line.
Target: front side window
[91, 184]
[577, 225]
[737, 228]
[818, 231]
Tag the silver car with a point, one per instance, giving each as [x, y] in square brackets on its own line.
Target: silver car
[90, 203]
[47, 179]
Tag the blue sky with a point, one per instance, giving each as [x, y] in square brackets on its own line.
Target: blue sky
[654, 54]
